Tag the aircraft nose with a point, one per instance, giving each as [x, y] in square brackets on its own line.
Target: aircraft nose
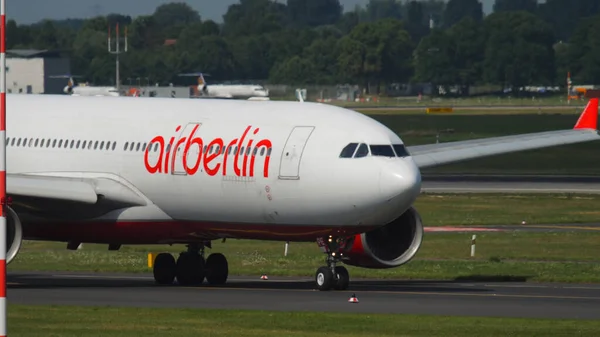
[400, 178]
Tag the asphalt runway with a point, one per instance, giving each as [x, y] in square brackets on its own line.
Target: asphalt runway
[509, 184]
[294, 294]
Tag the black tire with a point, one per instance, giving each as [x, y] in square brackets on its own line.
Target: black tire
[190, 269]
[324, 278]
[217, 269]
[342, 278]
[164, 269]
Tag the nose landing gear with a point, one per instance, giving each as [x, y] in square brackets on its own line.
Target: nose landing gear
[332, 276]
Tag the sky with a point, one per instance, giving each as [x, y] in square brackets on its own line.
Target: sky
[29, 11]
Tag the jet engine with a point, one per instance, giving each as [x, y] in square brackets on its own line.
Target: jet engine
[14, 234]
[68, 89]
[389, 246]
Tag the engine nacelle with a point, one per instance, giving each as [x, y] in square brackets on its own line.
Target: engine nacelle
[14, 234]
[68, 89]
[389, 246]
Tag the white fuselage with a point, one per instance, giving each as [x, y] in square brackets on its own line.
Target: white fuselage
[94, 91]
[295, 188]
[236, 91]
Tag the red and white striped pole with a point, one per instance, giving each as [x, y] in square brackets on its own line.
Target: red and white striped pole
[3, 169]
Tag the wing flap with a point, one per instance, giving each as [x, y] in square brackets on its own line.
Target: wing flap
[79, 190]
[57, 188]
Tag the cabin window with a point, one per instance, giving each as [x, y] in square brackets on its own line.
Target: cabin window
[382, 151]
[362, 151]
[348, 151]
[401, 150]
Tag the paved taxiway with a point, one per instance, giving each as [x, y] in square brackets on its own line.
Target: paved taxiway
[287, 294]
[509, 184]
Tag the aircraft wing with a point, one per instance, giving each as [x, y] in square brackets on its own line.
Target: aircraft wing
[585, 130]
[82, 197]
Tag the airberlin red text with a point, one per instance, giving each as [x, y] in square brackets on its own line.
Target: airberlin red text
[212, 164]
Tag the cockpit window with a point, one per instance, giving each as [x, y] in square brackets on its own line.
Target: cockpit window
[401, 150]
[348, 151]
[382, 151]
[362, 151]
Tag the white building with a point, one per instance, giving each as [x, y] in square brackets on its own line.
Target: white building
[28, 71]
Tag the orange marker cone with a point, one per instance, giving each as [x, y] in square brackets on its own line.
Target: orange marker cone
[264, 277]
[353, 299]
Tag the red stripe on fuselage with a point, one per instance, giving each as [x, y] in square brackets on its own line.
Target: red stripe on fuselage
[155, 232]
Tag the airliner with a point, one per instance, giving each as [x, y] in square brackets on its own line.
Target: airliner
[125, 171]
[235, 91]
[84, 90]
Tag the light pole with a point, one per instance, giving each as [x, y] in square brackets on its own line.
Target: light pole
[117, 51]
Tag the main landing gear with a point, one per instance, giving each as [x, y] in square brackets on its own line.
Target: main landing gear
[332, 276]
[191, 268]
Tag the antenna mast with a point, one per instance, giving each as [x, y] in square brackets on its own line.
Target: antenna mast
[117, 51]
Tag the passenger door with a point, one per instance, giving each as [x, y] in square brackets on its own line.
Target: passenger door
[291, 156]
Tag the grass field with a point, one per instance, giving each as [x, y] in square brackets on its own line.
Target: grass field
[576, 159]
[489, 101]
[124, 322]
[473, 111]
[560, 257]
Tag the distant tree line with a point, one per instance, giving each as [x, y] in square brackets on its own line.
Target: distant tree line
[315, 42]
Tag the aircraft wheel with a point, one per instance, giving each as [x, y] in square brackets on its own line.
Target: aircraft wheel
[324, 278]
[342, 280]
[217, 269]
[190, 269]
[164, 269]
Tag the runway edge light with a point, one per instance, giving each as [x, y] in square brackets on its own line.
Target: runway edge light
[3, 168]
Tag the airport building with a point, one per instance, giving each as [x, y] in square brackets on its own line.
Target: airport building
[29, 71]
